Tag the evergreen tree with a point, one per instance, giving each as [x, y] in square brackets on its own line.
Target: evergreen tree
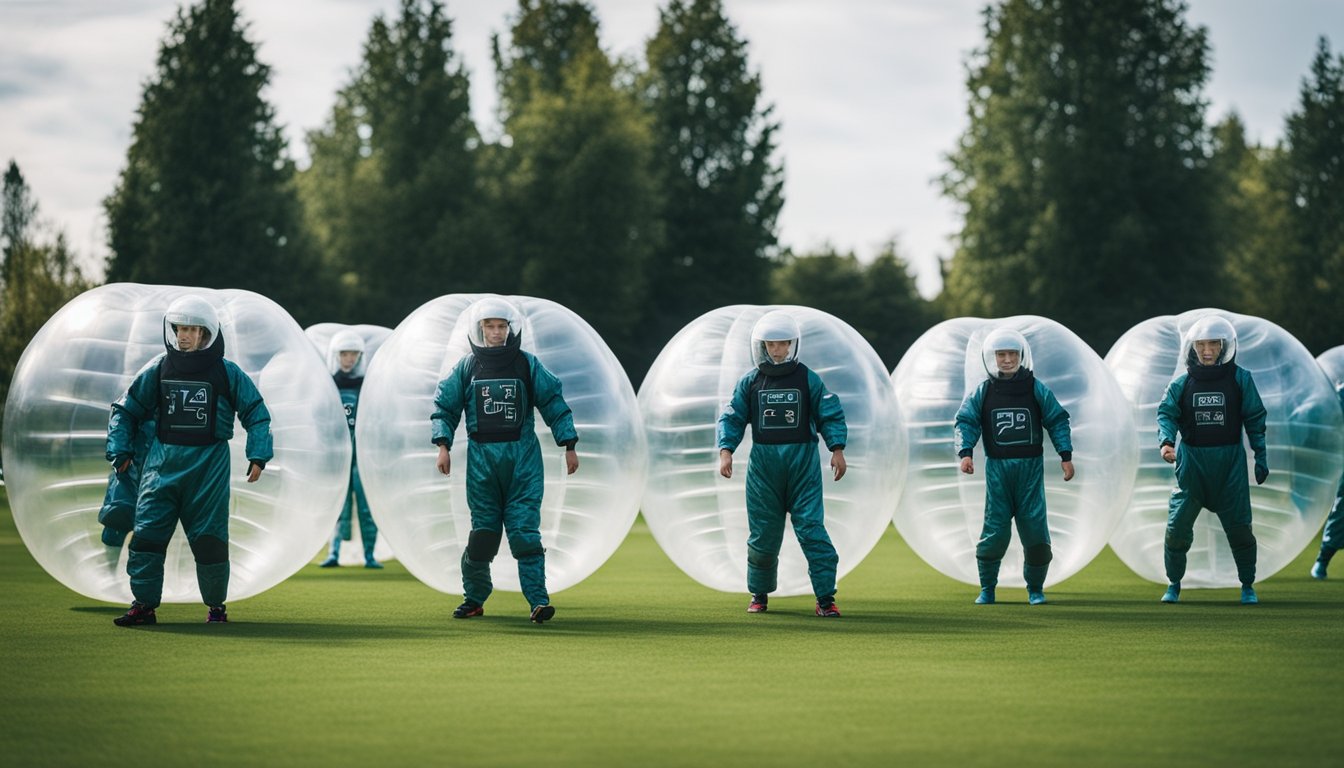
[1310, 184]
[39, 278]
[576, 199]
[1084, 171]
[713, 158]
[392, 190]
[207, 195]
[1250, 218]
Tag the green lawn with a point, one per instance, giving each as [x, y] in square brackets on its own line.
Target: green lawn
[642, 666]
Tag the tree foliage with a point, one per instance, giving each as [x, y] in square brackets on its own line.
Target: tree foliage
[576, 202]
[392, 191]
[714, 145]
[207, 195]
[1084, 170]
[38, 277]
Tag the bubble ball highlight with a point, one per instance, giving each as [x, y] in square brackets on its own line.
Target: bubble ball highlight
[700, 518]
[424, 515]
[942, 512]
[373, 336]
[1304, 439]
[55, 437]
[1332, 362]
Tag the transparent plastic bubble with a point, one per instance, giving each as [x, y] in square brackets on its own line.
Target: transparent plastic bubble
[424, 515]
[55, 438]
[372, 336]
[1332, 362]
[1304, 439]
[700, 518]
[942, 512]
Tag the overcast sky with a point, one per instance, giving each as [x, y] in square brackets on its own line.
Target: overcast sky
[869, 93]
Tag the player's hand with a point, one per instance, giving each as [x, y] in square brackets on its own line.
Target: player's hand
[1261, 473]
[445, 462]
[967, 465]
[1169, 454]
[571, 461]
[1068, 470]
[838, 463]
[725, 462]
[121, 464]
[254, 470]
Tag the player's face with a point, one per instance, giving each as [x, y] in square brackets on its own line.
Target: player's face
[1008, 360]
[189, 337]
[1208, 350]
[348, 360]
[495, 331]
[778, 350]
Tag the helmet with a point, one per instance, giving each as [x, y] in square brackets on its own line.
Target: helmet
[491, 308]
[345, 341]
[1210, 328]
[190, 310]
[776, 325]
[1000, 340]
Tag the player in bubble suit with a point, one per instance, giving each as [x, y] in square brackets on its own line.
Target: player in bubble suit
[1210, 405]
[1013, 410]
[1333, 537]
[787, 406]
[345, 360]
[497, 384]
[192, 394]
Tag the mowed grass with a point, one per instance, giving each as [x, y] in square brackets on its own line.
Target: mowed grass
[642, 666]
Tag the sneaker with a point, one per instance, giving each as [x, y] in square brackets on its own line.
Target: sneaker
[468, 610]
[1248, 595]
[1318, 571]
[332, 561]
[217, 615]
[1173, 593]
[542, 613]
[1036, 598]
[136, 615]
[986, 597]
[759, 603]
[373, 564]
[828, 610]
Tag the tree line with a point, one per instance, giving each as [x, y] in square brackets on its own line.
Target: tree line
[642, 193]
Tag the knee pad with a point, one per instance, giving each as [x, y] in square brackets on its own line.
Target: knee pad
[141, 544]
[210, 550]
[1174, 543]
[1240, 537]
[526, 546]
[1038, 554]
[483, 545]
[758, 559]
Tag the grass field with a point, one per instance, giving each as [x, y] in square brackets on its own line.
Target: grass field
[642, 666]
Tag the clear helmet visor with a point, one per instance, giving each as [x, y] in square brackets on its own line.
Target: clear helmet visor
[779, 327]
[1004, 352]
[1210, 341]
[483, 330]
[345, 341]
[190, 310]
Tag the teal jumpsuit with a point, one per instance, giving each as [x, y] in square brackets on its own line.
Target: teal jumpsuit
[784, 478]
[505, 477]
[117, 514]
[1211, 473]
[355, 501]
[1333, 538]
[189, 483]
[1014, 469]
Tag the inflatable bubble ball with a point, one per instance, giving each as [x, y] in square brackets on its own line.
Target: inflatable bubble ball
[1304, 439]
[942, 511]
[700, 518]
[424, 515]
[371, 337]
[55, 437]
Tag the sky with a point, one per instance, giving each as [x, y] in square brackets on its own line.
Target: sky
[870, 94]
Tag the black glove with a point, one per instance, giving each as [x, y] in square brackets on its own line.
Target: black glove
[1261, 472]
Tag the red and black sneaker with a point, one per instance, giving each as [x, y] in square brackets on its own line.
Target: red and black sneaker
[138, 614]
[217, 615]
[468, 610]
[828, 610]
[759, 602]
